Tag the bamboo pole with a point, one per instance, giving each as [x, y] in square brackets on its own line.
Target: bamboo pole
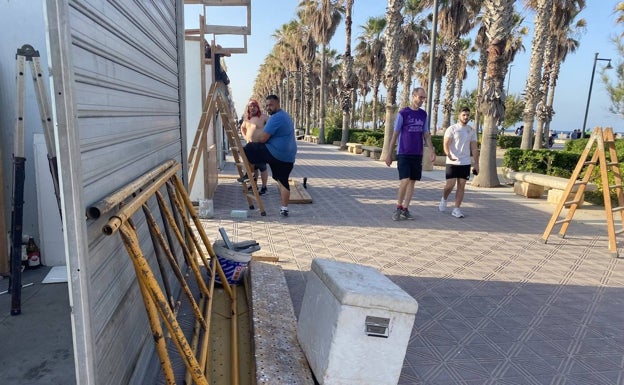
[144, 273]
[126, 212]
[108, 203]
[202, 234]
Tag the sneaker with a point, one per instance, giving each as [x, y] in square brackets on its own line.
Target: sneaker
[263, 190]
[405, 214]
[284, 212]
[457, 213]
[442, 205]
[243, 178]
[396, 215]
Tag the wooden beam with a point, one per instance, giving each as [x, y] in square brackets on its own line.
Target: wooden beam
[226, 30]
[220, 2]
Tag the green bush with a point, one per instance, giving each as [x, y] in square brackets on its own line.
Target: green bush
[438, 144]
[549, 162]
[333, 135]
[508, 141]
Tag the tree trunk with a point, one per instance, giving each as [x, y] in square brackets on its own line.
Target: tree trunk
[535, 69]
[488, 173]
[321, 136]
[394, 20]
[347, 81]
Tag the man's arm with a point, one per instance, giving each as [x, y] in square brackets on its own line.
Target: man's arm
[432, 154]
[244, 130]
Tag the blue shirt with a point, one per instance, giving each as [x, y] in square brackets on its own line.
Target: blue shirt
[412, 125]
[282, 144]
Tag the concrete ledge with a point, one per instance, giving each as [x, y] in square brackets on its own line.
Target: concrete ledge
[533, 185]
[277, 354]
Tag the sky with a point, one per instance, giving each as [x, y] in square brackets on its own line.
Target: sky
[572, 90]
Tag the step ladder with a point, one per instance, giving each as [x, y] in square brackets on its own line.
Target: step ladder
[27, 54]
[602, 143]
[217, 102]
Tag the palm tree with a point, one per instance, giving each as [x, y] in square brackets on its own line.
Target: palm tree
[347, 78]
[498, 20]
[363, 85]
[532, 91]
[457, 18]
[414, 33]
[514, 45]
[370, 49]
[323, 16]
[565, 45]
[394, 22]
[562, 15]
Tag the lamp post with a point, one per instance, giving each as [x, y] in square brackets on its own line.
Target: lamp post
[591, 83]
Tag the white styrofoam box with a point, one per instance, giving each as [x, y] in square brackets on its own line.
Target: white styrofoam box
[340, 300]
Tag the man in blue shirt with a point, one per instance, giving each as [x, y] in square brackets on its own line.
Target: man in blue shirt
[277, 146]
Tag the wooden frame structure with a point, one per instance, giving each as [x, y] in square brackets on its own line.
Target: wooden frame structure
[176, 229]
[604, 143]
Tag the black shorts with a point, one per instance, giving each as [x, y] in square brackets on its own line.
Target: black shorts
[454, 171]
[260, 166]
[258, 153]
[409, 166]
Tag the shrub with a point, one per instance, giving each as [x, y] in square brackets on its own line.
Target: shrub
[508, 141]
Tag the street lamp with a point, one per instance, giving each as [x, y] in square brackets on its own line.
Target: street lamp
[508, 79]
[591, 83]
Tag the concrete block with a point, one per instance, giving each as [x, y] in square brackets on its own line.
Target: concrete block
[354, 324]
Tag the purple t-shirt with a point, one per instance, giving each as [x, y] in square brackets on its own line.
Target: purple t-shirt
[411, 124]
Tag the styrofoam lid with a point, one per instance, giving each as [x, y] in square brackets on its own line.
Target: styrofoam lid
[362, 286]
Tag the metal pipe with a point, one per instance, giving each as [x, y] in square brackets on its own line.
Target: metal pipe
[126, 212]
[108, 203]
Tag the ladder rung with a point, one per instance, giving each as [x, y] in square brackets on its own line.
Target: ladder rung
[620, 231]
[234, 148]
[569, 203]
[616, 209]
[590, 162]
[613, 164]
[562, 221]
[580, 183]
[614, 186]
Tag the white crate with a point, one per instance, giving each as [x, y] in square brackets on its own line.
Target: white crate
[354, 324]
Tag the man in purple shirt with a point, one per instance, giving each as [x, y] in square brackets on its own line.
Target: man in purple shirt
[411, 129]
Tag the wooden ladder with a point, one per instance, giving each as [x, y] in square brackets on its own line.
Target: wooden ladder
[603, 141]
[216, 102]
[240, 159]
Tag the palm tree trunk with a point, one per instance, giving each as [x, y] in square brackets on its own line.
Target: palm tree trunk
[394, 21]
[321, 136]
[347, 81]
[535, 68]
[498, 19]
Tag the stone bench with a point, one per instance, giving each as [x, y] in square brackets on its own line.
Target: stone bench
[372, 152]
[310, 138]
[354, 148]
[533, 185]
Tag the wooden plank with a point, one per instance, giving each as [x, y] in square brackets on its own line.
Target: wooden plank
[298, 194]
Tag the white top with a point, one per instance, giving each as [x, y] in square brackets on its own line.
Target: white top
[459, 146]
[362, 286]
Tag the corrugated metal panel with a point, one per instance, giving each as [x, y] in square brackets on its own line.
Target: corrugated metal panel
[116, 69]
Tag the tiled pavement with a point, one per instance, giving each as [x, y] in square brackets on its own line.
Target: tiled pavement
[496, 304]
